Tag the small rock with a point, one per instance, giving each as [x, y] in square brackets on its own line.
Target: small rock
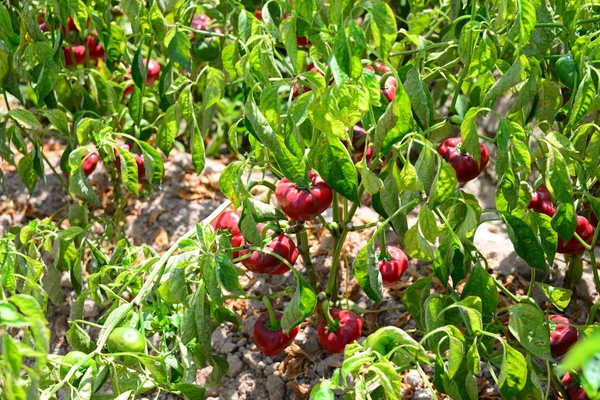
[254, 360]
[242, 342]
[334, 360]
[227, 348]
[422, 394]
[275, 387]
[413, 378]
[272, 369]
[307, 339]
[218, 339]
[90, 309]
[235, 365]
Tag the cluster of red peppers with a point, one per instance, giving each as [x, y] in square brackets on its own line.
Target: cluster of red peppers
[541, 202]
[339, 327]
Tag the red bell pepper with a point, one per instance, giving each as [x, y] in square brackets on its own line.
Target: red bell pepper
[339, 329]
[562, 336]
[463, 163]
[268, 335]
[304, 204]
[585, 230]
[392, 265]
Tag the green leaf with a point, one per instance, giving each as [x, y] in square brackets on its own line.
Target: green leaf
[302, 304]
[564, 221]
[27, 173]
[382, 28]
[428, 223]
[528, 324]
[388, 378]
[322, 391]
[80, 185]
[484, 58]
[468, 131]
[168, 131]
[420, 98]
[215, 85]
[549, 102]
[25, 118]
[581, 352]
[513, 373]
[481, 284]
[227, 274]
[408, 178]
[444, 184]
[395, 122]
[153, 163]
[584, 97]
[333, 163]
[525, 242]
[366, 272]
[513, 76]
[414, 298]
[372, 183]
[230, 183]
[557, 176]
[174, 290]
[198, 151]
[180, 49]
[559, 297]
[129, 170]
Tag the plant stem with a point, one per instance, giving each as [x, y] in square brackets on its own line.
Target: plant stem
[302, 238]
[273, 322]
[332, 324]
[383, 253]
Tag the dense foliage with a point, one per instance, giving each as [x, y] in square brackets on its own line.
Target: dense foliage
[332, 103]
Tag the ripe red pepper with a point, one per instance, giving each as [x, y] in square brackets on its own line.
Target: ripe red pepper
[265, 263]
[89, 163]
[585, 230]
[393, 266]
[304, 204]
[348, 330]
[563, 336]
[463, 163]
[228, 220]
[152, 74]
[78, 52]
[541, 201]
[391, 83]
[269, 339]
[359, 141]
[574, 391]
[95, 48]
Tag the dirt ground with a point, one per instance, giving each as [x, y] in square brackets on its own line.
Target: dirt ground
[185, 198]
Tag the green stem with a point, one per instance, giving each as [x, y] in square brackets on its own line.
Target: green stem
[273, 321]
[332, 324]
[265, 183]
[383, 253]
[302, 238]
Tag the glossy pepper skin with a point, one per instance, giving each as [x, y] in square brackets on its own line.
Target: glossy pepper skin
[95, 48]
[562, 337]
[585, 230]
[264, 263]
[126, 340]
[90, 162]
[566, 68]
[228, 220]
[72, 358]
[272, 341]
[575, 392]
[392, 268]
[349, 330]
[304, 204]
[541, 201]
[463, 163]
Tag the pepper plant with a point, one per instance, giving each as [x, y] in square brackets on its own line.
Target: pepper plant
[330, 106]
